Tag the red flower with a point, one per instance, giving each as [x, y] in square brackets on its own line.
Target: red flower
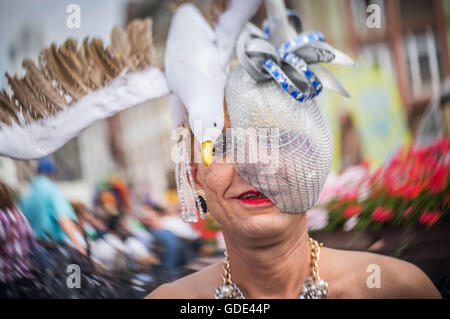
[412, 191]
[396, 190]
[429, 218]
[437, 180]
[351, 210]
[350, 195]
[380, 214]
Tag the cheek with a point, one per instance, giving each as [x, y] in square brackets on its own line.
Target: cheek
[216, 179]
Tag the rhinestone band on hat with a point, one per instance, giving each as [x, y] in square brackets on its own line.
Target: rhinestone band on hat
[283, 80]
[301, 40]
[300, 66]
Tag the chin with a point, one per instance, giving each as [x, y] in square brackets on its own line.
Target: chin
[262, 223]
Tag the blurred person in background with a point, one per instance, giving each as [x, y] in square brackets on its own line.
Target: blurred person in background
[122, 193]
[26, 269]
[118, 247]
[114, 198]
[191, 238]
[92, 226]
[51, 216]
[210, 236]
[16, 243]
[109, 208]
[171, 220]
[198, 238]
[168, 245]
[105, 204]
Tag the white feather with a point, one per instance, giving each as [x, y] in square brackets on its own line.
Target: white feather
[328, 79]
[230, 25]
[280, 29]
[339, 56]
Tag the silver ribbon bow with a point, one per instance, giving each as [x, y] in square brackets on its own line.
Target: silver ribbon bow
[295, 64]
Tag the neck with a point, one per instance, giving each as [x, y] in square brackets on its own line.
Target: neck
[275, 270]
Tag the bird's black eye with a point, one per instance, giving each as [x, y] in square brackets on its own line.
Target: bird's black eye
[215, 124]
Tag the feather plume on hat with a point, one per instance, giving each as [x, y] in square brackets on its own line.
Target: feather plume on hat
[74, 85]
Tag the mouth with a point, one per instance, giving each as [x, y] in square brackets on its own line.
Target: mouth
[253, 198]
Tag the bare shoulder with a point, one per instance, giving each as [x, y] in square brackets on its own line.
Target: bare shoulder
[369, 275]
[198, 285]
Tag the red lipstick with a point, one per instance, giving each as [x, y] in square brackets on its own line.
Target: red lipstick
[254, 198]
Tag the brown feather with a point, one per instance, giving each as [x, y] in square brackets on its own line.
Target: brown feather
[92, 74]
[48, 105]
[47, 93]
[108, 63]
[61, 73]
[18, 93]
[8, 106]
[69, 53]
[34, 105]
[97, 63]
[120, 46]
[71, 72]
[29, 104]
[140, 37]
[47, 67]
[5, 117]
[69, 63]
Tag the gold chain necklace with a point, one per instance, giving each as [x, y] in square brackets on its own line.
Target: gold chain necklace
[313, 287]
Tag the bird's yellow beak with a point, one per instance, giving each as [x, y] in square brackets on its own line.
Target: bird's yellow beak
[207, 150]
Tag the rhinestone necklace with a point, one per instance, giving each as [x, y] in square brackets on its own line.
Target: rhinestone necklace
[313, 287]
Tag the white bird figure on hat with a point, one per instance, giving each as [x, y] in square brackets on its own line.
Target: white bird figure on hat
[196, 62]
[73, 87]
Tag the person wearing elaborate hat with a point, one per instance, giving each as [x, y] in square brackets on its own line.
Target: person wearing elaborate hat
[254, 149]
[260, 198]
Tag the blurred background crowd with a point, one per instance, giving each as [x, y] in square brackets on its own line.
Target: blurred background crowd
[130, 242]
[107, 199]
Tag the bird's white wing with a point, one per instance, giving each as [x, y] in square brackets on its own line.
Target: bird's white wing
[73, 87]
[230, 24]
[42, 137]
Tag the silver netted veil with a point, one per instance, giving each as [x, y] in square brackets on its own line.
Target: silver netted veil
[299, 147]
[281, 141]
